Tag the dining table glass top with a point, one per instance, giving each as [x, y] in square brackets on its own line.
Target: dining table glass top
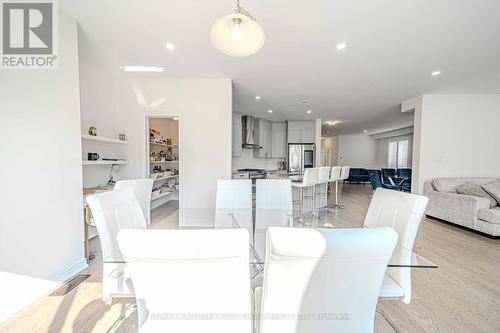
[256, 221]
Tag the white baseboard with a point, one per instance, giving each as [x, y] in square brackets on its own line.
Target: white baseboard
[71, 271]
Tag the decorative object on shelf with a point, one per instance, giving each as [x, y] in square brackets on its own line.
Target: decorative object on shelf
[93, 156]
[122, 137]
[113, 173]
[154, 156]
[237, 34]
[93, 131]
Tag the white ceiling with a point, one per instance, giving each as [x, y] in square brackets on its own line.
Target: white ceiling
[392, 47]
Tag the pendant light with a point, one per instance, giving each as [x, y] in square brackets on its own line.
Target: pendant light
[238, 34]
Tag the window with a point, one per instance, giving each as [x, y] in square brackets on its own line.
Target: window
[393, 155]
[403, 154]
[398, 154]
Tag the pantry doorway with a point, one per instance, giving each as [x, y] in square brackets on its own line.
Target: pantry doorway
[162, 162]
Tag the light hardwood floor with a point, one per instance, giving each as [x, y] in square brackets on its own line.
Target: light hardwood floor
[462, 295]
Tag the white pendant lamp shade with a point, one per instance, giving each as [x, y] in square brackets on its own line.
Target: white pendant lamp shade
[237, 35]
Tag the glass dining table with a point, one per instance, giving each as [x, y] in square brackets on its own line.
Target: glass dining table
[257, 221]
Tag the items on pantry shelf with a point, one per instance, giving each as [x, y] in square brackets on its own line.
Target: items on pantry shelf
[158, 172]
[162, 156]
[155, 137]
[164, 188]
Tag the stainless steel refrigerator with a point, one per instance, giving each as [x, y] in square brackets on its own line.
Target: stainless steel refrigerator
[300, 157]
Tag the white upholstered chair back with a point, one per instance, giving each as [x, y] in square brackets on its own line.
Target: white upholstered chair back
[142, 189]
[273, 207]
[234, 196]
[336, 272]
[324, 174]
[335, 173]
[189, 272]
[311, 176]
[344, 174]
[114, 211]
[273, 195]
[402, 212]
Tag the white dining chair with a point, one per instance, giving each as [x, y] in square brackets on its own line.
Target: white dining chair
[142, 189]
[335, 178]
[402, 212]
[273, 207]
[308, 183]
[190, 280]
[114, 211]
[322, 186]
[333, 271]
[233, 203]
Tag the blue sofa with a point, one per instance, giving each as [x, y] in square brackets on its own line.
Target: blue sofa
[358, 175]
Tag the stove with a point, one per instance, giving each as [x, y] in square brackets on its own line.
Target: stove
[254, 174]
[259, 171]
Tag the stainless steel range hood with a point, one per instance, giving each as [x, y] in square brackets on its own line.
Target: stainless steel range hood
[248, 123]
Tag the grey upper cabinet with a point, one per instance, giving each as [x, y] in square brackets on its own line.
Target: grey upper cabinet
[278, 140]
[262, 136]
[301, 132]
[237, 135]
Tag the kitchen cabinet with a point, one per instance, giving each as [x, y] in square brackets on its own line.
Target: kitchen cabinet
[278, 140]
[301, 132]
[262, 136]
[237, 135]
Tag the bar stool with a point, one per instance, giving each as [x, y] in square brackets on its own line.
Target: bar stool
[344, 174]
[309, 180]
[323, 178]
[334, 178]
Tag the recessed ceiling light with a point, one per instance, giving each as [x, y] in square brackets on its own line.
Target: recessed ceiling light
[269, 111]
[142, 69]
[341, 46]
[257, 97]
[176, 118]
[309, 111]
[170, 46]
[365, 131]
[436, 73]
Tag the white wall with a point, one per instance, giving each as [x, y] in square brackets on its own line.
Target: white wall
[330, 149]
[317, 142]
[458, 136]
[357, 151]
[41, 224]
[115, 102]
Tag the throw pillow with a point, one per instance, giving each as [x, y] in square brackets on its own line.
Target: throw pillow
[474, 189]
[493, 189]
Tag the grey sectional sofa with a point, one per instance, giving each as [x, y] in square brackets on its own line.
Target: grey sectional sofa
[468, 211]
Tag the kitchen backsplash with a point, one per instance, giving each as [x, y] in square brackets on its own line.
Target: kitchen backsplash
[246, 160]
